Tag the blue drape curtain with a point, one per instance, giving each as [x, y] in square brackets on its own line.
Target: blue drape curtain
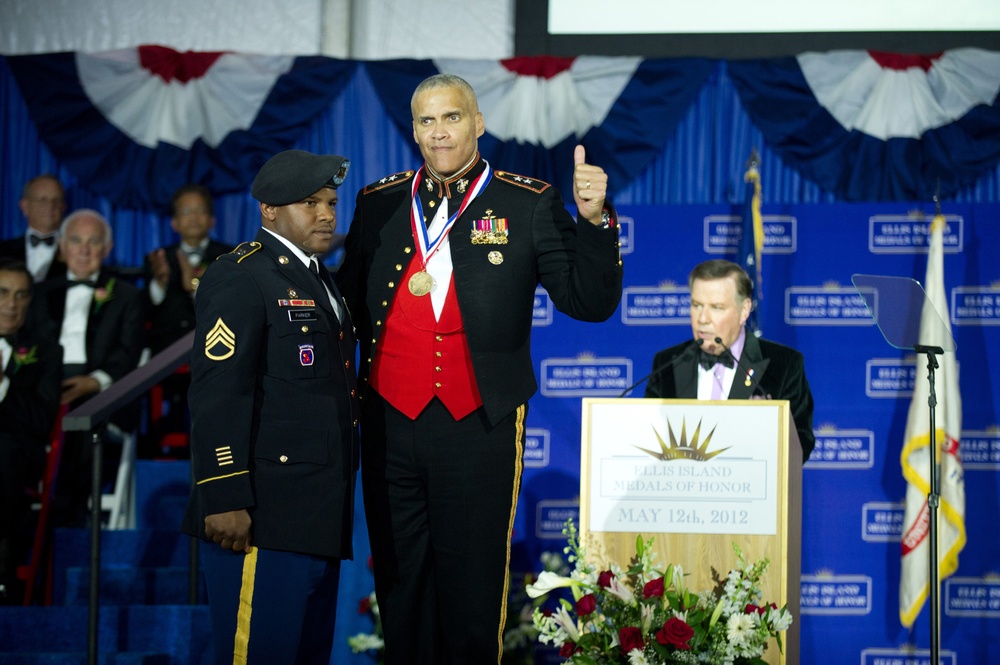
[703, 162]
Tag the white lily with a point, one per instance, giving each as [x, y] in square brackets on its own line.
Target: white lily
[566, 622]
[646, 617]
[622, 592]
[547, 581]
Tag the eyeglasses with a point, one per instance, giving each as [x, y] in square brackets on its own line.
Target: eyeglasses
[46, 201]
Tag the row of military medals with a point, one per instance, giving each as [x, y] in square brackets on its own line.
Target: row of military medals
[421, 282]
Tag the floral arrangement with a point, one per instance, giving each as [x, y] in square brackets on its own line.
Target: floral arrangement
[646, 615]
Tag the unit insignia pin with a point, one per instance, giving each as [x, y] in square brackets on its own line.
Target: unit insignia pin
[495, 257]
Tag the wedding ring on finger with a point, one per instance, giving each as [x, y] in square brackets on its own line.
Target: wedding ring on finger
[587, 185]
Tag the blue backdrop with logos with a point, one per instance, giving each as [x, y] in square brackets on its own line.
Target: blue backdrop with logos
[853, 489]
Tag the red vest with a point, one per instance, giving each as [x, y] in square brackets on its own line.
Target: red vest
[419, 358]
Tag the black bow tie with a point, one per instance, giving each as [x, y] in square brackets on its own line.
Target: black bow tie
[708, 360]
[41, 240]
[81, 282]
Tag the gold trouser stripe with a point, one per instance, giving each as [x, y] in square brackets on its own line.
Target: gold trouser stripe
[518, 469]
[246, 607]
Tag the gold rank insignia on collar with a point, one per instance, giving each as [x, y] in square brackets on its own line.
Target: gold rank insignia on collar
[220, 342]
[389, 181]
[532, 184]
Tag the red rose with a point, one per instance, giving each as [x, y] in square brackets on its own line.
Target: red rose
[586, 605]
[365, 606]
[754, 609]
[604, 579]
[630, 638]
[676, 633]
[567, 649]
[653, 588]
[546, 611]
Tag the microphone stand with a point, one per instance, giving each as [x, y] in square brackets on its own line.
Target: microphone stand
[695, 344]
[933, 499]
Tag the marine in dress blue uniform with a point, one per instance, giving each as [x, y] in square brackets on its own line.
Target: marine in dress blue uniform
[274, 424]
[441, 470]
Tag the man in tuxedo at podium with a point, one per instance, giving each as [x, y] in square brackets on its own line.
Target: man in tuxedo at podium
[731, 363]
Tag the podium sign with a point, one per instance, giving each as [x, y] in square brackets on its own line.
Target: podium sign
[697, 476]
[677, 469]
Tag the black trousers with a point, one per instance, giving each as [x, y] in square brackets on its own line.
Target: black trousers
[21, 465]
[440, 497]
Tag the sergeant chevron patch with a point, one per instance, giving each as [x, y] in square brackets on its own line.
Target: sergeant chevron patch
[220, 342]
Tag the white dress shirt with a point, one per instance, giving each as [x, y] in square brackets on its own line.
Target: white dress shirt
[73, 336]
[40, 257]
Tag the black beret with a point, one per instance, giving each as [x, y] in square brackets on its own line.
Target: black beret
[293, 175]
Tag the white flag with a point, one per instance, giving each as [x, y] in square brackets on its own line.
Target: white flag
[914, 583]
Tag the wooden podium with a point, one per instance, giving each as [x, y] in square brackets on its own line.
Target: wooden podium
[697, 476]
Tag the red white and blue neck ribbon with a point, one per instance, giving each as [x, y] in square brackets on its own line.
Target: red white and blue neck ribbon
[426, 246]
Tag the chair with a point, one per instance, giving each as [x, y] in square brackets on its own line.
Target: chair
[120, 503]
[41, 548]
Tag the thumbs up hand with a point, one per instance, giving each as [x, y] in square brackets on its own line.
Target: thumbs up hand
[590, 187]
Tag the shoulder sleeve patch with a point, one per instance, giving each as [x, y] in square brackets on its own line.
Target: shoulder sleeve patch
[533, 184]
[245, 249]
[389, 181]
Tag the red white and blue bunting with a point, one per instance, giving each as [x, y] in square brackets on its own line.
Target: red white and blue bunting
[872, 126]
[135, 124]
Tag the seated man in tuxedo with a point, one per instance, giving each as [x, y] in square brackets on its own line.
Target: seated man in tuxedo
[173, 272]
[43, 202]
[721, 297]
[172, 276]
[30, 374]
[98, 319]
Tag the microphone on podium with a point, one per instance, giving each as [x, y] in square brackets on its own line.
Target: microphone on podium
[692, 347]
[746, 370]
